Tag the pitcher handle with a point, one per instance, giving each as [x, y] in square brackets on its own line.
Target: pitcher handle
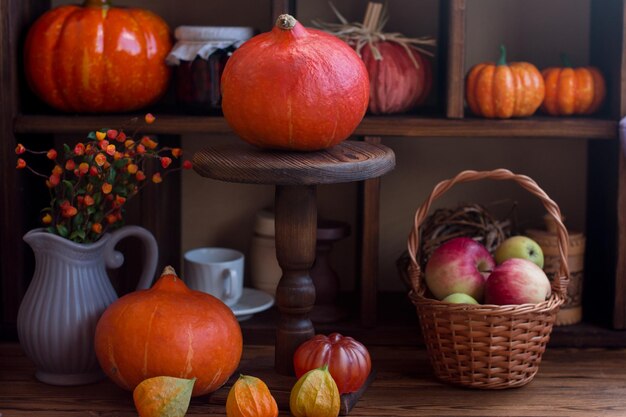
[114, 259]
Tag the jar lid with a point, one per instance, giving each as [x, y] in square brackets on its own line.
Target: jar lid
[213, 33]
[202, 41]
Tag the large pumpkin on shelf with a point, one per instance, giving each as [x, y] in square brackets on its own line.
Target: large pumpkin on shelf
[294, 88]
[573, 90]
[97, 58]
[502, 90]
[169, 330]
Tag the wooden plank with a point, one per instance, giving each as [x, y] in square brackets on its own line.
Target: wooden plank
[369, 241]
[606, 170]
[570, 383]
[619, 309]
[454, 48]
[534, 127]
[619, 303]
[14, 16]
[622, 65]
[164, 124]
[413, 127]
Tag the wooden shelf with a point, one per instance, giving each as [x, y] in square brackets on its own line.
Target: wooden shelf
[397, 324]
[407, 126]
[570, 382]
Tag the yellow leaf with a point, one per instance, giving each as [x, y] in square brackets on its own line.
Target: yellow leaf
[163, 396]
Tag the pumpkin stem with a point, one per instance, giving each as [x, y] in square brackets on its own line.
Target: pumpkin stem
[286, 22]
[168, 270]
[565, 60]
[502, 60]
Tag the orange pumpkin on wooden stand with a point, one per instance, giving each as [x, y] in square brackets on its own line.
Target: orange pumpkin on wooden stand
[294, 88]
[97, 58]
[169, 330]
[504, 90]
[571, 91]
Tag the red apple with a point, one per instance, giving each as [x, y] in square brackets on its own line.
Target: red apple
[517, 281]
[460, 265]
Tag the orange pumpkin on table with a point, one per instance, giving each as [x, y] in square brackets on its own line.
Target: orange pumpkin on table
[97, 58]
[571, 91]
[504, 90]
[169, 330]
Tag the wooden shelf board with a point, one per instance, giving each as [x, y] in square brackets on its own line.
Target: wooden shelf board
[397, 324]
[570, 382]
[535, 127]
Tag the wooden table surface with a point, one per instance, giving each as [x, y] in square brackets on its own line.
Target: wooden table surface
[570, 382]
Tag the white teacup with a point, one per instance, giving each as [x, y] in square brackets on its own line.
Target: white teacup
[217, 271]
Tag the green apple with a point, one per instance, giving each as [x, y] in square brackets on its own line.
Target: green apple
[460, 298]
[521, 247]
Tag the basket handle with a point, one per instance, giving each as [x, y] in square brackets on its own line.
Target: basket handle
[559, 284]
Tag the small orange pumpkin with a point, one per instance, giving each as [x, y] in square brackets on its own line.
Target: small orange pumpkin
[169, 330]
[572, 91]
[294, 88]
[97, 58]
[250, 397]
[504, 90]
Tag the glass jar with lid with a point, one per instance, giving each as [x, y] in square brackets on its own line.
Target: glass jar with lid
[198, 58]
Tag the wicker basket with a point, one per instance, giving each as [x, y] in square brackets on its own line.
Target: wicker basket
[486, 346]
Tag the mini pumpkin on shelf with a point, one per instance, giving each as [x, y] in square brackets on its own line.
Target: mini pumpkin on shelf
[97, 58]
[573, 91]
[504, 90]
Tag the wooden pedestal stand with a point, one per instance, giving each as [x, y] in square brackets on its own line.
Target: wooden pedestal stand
[295, 175]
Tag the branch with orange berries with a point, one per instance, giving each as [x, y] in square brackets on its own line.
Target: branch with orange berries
[91, 182]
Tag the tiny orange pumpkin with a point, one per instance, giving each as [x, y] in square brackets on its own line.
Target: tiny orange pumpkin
[571, 91]
[504, 90]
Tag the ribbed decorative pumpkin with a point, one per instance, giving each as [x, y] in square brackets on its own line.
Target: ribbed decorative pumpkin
[169, 330]
[399, 83]
[572, 91]
[348, 360]
[294, 88]
[504, 90]
[250, 397]
[97, 58]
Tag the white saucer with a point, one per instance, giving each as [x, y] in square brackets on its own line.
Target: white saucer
[252, 301]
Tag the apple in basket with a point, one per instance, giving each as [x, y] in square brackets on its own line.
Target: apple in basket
[460, 265]
[519, 247]
[517, 281]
